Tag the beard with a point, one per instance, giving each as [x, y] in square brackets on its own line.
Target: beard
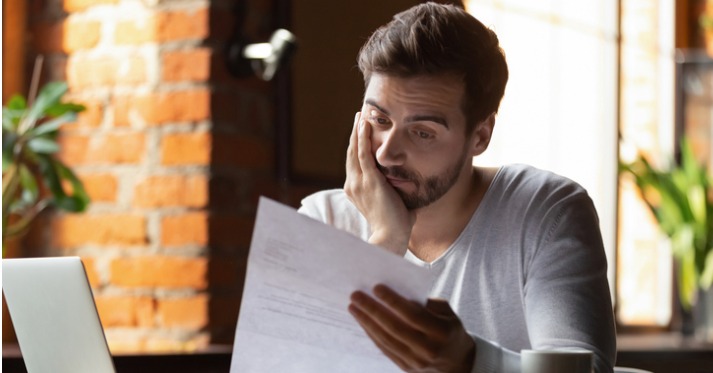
[428, 190]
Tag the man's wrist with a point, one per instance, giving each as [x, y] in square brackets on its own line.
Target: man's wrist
[389, 242]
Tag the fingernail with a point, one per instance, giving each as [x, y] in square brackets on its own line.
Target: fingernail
[381, 290]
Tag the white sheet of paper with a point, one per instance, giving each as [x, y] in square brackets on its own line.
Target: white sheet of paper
[300, 274]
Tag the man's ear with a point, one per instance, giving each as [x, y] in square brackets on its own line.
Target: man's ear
[480, 138]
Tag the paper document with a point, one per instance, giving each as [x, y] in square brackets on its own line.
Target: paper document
[300, 275]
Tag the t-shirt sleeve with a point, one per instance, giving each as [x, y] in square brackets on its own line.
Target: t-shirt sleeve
[314, 206]
[566, 291]
[490, 357]
[332, 207]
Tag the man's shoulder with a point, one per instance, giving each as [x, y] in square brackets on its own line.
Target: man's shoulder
[333, 207]
[529, 179]
[326, 198]
[327, 205]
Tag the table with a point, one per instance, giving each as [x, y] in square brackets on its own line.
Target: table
[656, 352]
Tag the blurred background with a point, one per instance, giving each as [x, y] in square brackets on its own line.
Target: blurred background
[179, 138]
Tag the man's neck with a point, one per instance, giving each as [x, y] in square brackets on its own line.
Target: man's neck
[439, 224]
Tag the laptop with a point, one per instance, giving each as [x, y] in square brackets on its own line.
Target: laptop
[55, 319]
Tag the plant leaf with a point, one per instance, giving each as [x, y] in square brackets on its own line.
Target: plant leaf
[62, 108]
[30, 189]
[707, 274]
[49, 96]
[687, 283]
[79, 199]
[54, 171]
[11, 119]
[16, 102]
[8, 148]
[43, 145]
[681, 198]
[51, 125]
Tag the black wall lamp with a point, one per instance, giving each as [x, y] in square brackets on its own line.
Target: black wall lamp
[262, 59]
[247, 58]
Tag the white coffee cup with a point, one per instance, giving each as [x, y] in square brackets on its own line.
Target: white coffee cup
[555, 361]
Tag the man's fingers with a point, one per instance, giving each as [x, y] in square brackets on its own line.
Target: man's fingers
[440, 307]
[401, 354]
[366, 158]
[381, 318]
[352, 157]
[413, 313]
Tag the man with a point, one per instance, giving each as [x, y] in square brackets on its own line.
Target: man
[517, 252]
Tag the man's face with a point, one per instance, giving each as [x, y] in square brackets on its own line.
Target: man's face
[418, 134]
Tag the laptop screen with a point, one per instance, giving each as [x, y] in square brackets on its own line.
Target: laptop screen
[55, 319]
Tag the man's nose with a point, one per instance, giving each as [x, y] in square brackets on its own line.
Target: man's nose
[389, 148]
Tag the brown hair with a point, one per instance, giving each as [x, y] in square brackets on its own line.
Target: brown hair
[438, 39]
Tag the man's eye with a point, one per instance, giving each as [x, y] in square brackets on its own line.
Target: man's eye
[424, 135]
[379, 120]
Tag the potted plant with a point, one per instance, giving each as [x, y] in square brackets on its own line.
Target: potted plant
[681, 198]
[32, 177]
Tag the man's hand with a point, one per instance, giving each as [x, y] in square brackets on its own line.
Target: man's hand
[367, 188]
[416, 338]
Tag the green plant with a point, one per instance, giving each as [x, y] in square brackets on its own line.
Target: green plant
[681, 199]
[705, 21]
[32, 177]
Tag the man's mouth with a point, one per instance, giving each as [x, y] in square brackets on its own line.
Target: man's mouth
[396, 182]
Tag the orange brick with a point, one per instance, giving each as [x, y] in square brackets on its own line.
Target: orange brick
[72, 6]
[185, 229]
[190, 312]
[81, 35]
[91, 117]
[181, 106]
[135, 31]
[164, 26]
[101, 229]
[186, 148]
[179, 25]
[166, 271]
[100, 187]
[122, 148]
[172, 190]
[85, 72]
[189, 65]
[125, 311]
[73, 148]
[121, 106]
[119, 148]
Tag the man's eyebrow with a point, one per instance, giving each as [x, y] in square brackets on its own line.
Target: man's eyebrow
[371, 102]
[428, 118]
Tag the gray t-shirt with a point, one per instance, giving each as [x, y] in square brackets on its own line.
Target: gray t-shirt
[527, 272]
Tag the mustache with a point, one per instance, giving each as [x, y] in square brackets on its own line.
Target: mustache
[399, 173]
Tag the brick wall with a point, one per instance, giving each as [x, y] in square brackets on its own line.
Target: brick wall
[174, 153]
